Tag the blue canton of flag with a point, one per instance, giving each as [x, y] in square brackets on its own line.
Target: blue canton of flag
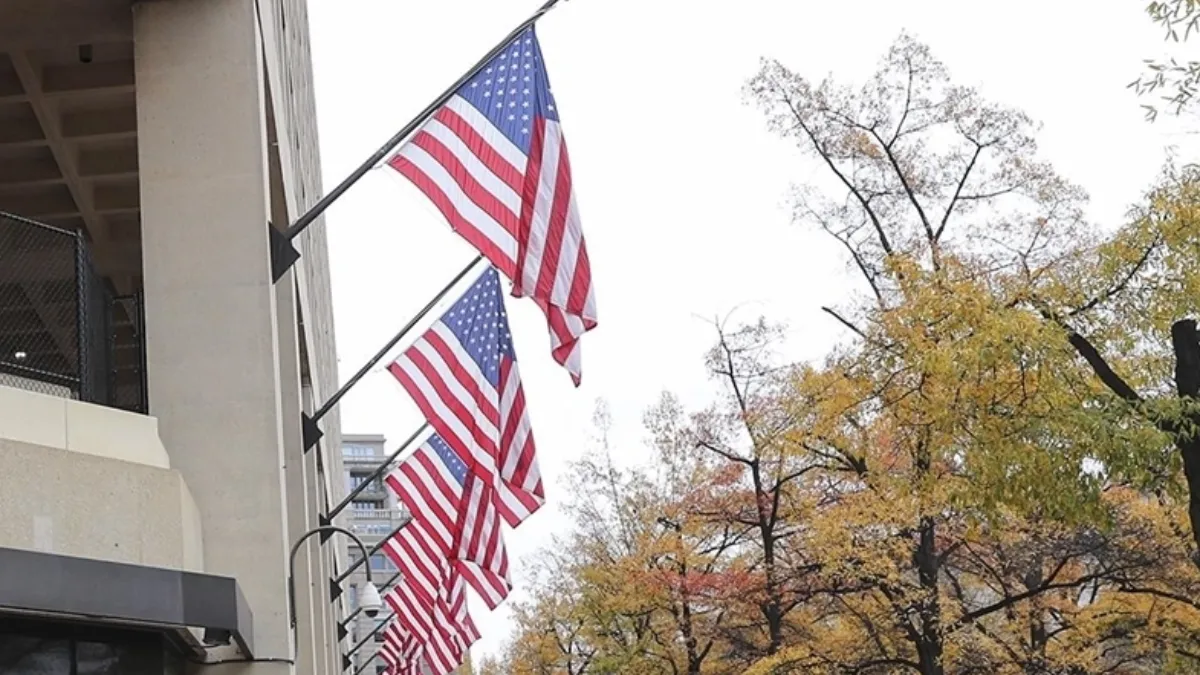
[453, 463]
[513, 90]
[480, 323]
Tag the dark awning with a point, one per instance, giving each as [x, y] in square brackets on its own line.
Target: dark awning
[119, 594]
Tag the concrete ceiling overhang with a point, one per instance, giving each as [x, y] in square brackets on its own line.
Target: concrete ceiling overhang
[68, 125]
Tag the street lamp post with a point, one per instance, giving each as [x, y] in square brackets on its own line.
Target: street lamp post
[368, 596]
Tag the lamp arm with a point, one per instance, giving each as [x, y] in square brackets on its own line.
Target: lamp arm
[296, 548]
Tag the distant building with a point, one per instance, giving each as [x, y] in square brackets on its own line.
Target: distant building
[373, 515]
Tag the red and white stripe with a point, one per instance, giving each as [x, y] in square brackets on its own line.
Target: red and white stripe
[482, 557]
[487, 426]
[443, 637]
[401, 651]
[518, 210]
[451, 522]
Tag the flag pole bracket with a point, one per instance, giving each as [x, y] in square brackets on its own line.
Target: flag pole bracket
[309, 431]
[283, 253]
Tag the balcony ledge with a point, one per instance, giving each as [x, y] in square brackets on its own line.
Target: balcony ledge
[65, 424]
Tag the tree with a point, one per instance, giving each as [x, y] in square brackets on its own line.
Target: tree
[1175, 82]
[643, 582]
[966, 484]
[746, 434]
[962, 404]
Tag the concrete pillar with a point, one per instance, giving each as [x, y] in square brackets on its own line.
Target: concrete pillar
[301, 516]
[326, 645]
[213, 345]
[333, 551]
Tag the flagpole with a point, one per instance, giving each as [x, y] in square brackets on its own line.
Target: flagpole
[333, 513]
[283, 252]
[346, 662]
[371, 635]
[366, 663]
[370, 552]
[308, 423]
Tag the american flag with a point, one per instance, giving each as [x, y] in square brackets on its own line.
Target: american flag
[393, 650]
[441, 648]
[463, 375]
[442, 634]
[431, 587]
[401, 651]
[494, 162]
[454, 519]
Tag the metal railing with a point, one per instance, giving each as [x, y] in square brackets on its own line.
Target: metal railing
[390, 515]
[63, 331]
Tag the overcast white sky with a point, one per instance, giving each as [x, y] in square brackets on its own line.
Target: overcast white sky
[681, 189]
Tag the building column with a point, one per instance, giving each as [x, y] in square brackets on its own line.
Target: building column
[212, 341]
[301, 516]
[326, 644]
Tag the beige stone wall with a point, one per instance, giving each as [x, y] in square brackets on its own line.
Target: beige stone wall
[63, 502]
[92, 482]
[287, 56]
[214, 358]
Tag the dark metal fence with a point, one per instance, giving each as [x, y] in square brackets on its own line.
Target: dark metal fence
[62, 330]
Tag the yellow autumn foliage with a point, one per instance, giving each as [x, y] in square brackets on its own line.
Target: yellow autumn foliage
[992, 474]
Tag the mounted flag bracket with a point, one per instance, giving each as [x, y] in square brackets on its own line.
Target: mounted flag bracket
[283, 252]
[309, 431]
[322, 521]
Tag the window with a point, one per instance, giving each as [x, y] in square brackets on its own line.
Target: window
[369, 505]
[353, 597]
[50, 649]
[380, 561]
[358, 451]
[357, 479]
[379, 626]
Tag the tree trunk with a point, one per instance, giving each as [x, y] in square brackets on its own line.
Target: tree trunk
[772, 609]
[684, 616]
[929, 634]
[689, 641]
[1038, 637]
[1186, 344]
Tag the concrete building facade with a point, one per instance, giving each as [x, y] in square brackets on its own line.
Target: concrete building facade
[152, 376]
